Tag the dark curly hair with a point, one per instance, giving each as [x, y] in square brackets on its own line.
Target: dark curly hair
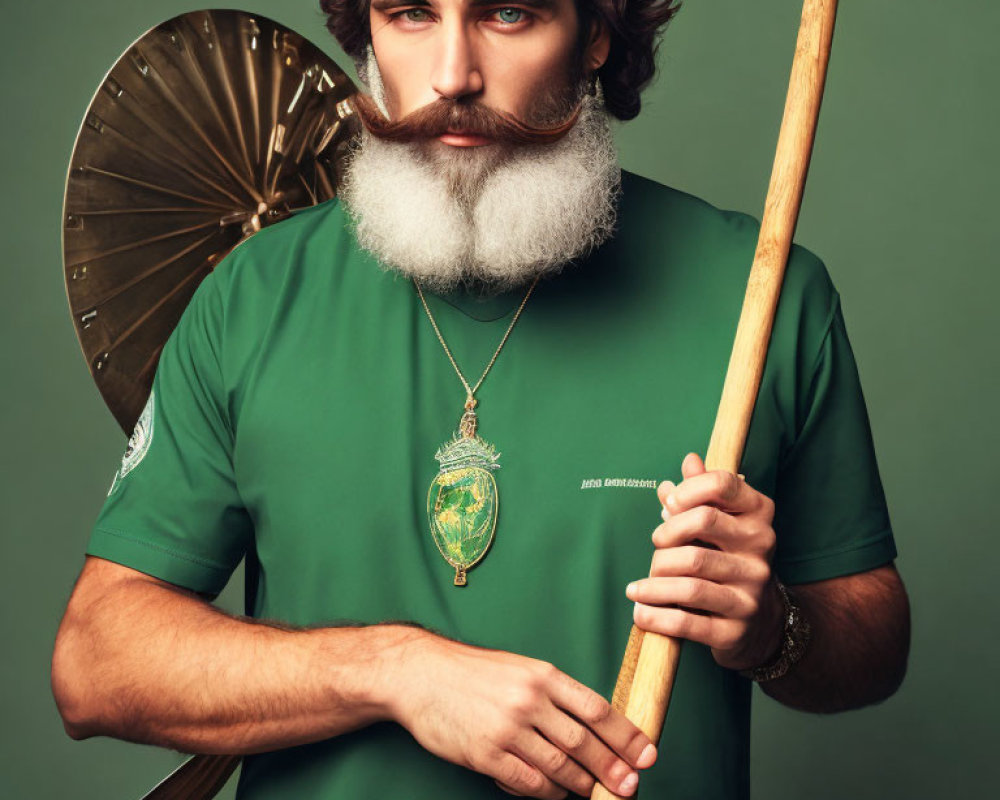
[634, 25]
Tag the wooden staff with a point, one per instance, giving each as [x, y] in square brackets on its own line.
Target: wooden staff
[199, 778]
[650, 663]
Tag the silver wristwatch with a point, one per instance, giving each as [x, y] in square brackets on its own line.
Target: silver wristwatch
[794, 640]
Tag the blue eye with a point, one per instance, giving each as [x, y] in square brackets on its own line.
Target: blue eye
[510, 15]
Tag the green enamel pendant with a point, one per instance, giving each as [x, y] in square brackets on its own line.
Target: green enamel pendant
[462, 501]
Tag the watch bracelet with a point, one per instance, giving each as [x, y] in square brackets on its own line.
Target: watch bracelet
[795, 637]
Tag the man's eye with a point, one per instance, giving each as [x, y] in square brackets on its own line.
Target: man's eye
[510, 16]
[415, 14]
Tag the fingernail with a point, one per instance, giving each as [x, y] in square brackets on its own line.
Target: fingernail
[665, 514]
[628, 785]
[671, 501]
[630, 590]
[646, 757]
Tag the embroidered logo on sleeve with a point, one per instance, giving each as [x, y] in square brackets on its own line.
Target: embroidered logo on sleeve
[138, 443]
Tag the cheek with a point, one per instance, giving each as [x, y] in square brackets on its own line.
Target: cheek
[399, 65]
[398, 81]
[537, 72]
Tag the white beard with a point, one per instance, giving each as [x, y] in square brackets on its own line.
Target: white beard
[495, 216]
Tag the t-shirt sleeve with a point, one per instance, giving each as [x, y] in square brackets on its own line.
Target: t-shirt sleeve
[174, 511]
[831, 517]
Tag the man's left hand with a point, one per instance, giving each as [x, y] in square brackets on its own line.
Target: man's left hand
[710, 579]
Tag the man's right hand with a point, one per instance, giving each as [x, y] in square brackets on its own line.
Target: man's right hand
[535, 730]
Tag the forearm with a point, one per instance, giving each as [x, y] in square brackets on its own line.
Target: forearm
[159, 666]
[859, 645]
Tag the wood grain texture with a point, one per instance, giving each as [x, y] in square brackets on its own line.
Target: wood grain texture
[649, 666]
[198, 778]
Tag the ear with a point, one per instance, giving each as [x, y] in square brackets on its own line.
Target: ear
[598, 45]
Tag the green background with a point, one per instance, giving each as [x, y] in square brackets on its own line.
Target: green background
[902, 181]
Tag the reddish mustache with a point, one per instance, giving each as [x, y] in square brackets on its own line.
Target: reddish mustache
[443, 116]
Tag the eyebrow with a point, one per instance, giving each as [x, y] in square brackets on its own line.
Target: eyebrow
[385, 5]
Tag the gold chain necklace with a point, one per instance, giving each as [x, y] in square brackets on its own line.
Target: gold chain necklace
[462, 502]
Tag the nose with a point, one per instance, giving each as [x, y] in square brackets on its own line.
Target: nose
[456, 68]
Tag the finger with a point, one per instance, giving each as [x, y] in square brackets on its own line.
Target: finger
[516, 776]
[663, 490]
[710, 565]
[692, 465]
[717, 633]
[710, 525]
[573, 738]
[692, 593]
[554, 762]
[596, 713]
[719, 488]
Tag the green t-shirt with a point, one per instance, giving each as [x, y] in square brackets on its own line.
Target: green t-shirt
[301, 400]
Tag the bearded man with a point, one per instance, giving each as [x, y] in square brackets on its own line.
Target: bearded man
[492, 293]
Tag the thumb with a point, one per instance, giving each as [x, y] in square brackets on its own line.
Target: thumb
[692, 465]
